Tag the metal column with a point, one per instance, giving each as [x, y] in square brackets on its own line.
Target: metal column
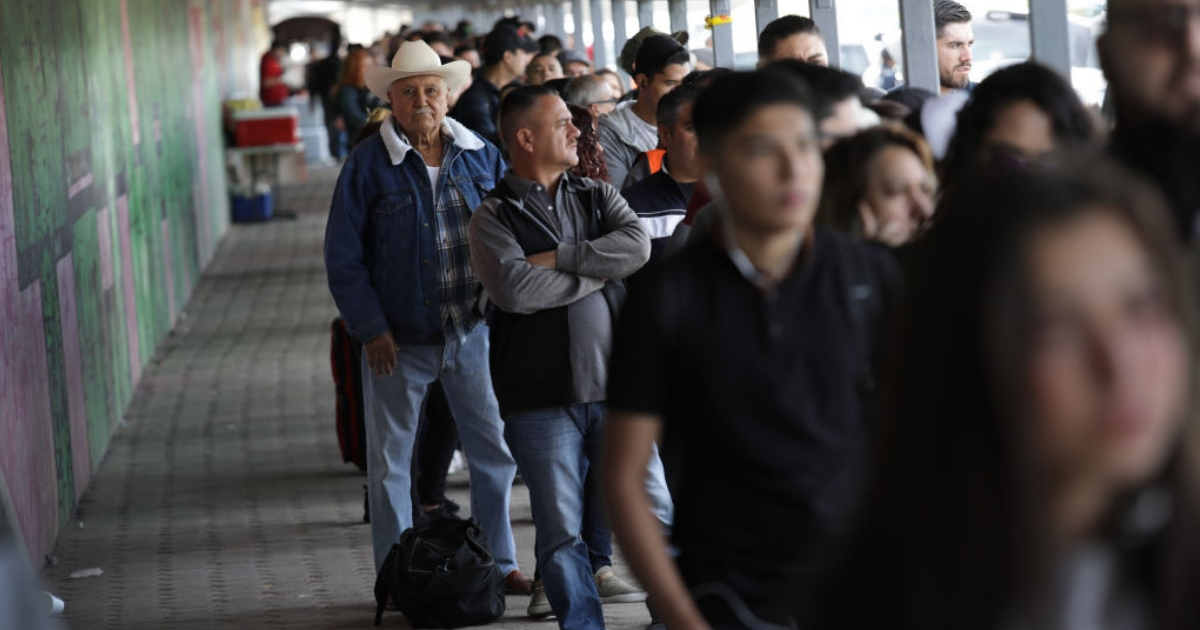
[679, 16]
[765, 12]
[722, 35]
[577, 11]
[539, 19]
[824, 13]
[620, 36]
[555, 24]
[1049, 34]
[599, 44]
[920, 45]
[645, 13]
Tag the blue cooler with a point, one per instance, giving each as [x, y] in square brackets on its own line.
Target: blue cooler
[256, 208]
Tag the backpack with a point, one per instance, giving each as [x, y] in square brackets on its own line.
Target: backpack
[441, 575]
[345, 358]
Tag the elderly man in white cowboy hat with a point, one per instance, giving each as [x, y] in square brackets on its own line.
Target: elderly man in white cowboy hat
[399, 269]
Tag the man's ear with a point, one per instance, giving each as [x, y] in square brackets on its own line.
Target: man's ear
[509, 55]
[664, 134]
[640, 80]
[525, 139]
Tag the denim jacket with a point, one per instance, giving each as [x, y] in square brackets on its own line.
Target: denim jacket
[380, 252]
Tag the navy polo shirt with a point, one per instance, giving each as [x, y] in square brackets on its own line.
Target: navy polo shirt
[758, 393]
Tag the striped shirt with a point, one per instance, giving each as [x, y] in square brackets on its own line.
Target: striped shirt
[661, 204]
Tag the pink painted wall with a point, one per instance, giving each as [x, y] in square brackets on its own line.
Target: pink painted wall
[25, 436]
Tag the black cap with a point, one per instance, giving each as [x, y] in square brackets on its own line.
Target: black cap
[654, 52]
[503, 39]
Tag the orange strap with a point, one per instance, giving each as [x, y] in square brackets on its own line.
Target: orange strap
[655, 158]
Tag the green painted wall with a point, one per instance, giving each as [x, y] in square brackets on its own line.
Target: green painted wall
[112, 201]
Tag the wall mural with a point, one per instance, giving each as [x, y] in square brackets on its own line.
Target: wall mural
[112, 200]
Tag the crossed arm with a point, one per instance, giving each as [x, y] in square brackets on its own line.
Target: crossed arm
[520, 283]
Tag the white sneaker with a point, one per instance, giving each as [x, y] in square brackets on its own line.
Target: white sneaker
[539, 606]
[56, 605]
[457, 464]
[614, 590]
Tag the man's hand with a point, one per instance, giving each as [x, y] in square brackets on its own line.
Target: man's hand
[381, 354]
[548, 259]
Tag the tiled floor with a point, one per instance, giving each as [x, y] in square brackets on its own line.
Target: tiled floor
[223, 502]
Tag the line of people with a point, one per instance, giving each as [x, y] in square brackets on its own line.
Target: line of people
[817, 372]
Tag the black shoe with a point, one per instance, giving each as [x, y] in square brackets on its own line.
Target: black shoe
[450, 506]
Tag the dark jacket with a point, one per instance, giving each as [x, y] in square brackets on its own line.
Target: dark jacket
[478, 107]
[354, 106]
[380, 239]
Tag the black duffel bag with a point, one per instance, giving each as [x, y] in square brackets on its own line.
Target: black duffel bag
[441, 575]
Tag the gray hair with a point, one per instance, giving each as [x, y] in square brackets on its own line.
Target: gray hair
[585, 90]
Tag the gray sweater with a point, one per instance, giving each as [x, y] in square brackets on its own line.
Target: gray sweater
[583, 267]
[624, 137]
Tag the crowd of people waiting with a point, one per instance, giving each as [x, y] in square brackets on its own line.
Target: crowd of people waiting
[812, 366]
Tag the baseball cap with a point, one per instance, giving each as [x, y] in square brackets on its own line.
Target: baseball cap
[567, 56]
[503, 39]
[630, 49]
[654, 51]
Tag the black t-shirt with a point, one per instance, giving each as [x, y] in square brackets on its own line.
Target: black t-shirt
[759, 395]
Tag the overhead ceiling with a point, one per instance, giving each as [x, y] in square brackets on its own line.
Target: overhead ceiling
[362, 21]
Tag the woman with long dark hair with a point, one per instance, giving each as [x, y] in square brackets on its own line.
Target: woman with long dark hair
[591, 154]
[354, 100]
[1020, 114]
[1037, 462]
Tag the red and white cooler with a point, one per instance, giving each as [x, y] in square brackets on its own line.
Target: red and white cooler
[267, 126]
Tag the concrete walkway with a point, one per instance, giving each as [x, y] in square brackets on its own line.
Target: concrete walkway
[223, 502]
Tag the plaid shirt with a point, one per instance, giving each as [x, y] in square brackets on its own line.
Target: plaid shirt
[458, 286]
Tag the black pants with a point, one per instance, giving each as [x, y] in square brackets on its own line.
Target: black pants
[437, 439]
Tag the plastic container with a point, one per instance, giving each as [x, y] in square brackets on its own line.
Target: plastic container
[267, 126]
[251, 208]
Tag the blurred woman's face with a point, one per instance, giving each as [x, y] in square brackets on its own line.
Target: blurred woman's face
[898, 201]
[1109, 360]
[356, 73]
[1022, 130]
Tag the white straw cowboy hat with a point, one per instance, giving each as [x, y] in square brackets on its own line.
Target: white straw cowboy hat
[415, 59]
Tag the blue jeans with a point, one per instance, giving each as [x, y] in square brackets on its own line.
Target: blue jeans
[555, 448]
[597, 533]
[393, 406]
